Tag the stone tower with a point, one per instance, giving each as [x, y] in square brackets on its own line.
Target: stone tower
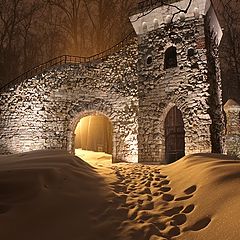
[180, 107]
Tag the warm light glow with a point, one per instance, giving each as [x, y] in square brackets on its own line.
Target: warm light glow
[94, 158]
[94, 133]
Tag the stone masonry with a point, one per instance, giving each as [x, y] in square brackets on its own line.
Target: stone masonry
[184, 86]
[132, 88]
[42, 112]
[232, 141]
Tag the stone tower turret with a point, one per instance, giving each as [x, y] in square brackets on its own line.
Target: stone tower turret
[180, 108]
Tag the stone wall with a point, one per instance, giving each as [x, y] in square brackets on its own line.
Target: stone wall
[232, 141]
[132, 88]
[42, 112]
[185, 86]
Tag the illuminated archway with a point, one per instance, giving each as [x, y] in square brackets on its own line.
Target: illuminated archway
[174, 135]
[94, 132]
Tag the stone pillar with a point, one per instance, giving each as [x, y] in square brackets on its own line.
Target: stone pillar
[232, 110]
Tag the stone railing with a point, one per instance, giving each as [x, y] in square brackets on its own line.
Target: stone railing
[64, 59]
[232, 110]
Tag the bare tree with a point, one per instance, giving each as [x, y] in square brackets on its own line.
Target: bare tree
[229, 13]
[14, 14]
[70, 18]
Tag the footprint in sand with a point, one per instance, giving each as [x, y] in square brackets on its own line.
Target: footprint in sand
[199, 225]
[132, 186]
[190, 190]
[167, 197]
[148, 183]
[165, 182]
[150, 179]
[145, 190]
[147, 205]
[160, 225]
[155, 184]
[126, 181]
[149, 197]
[132, 213]
[179, 219]
[162, 176]
[156, 194]
[165, 189]
[173, 211]
[144, 216]
[183, 198]
[188, 209]
[174, 231]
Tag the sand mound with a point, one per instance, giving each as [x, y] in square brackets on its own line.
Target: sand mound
[49, 195]
[53, 195]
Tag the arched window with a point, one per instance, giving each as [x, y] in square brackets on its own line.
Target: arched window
[170, 60]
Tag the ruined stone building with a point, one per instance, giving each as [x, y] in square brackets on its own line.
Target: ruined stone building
[161, 91]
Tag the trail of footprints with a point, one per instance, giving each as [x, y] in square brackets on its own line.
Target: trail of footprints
[146, 193]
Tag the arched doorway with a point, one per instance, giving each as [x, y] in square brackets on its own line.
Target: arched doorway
[94, 133]
[174, 135]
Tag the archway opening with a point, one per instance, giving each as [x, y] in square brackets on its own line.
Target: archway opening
[174, 135]
[94, 138]
[170, 60]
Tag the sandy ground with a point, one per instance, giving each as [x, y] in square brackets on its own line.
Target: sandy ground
[53, 195]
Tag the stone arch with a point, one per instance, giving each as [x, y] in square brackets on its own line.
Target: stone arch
[75, 121]
[95, 107]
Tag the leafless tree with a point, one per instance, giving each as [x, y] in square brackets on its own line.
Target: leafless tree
[15, 17]
[230, 47]
[69, 18]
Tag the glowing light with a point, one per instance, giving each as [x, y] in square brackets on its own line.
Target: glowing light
[94, 133]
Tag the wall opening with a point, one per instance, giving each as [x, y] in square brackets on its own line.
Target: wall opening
[174, 135]
[94, 133]
[170, 59]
